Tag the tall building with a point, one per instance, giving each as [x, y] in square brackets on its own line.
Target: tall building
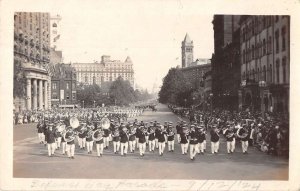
[226, 61]
[63, 86]
[106, 70]
[187, 51]
[55, 32]
[32, 56]
[265, 57]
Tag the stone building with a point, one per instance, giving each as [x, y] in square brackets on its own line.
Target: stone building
[63, 86]
[105, 71]
[187, 51]
[265, 58]
[32, 57]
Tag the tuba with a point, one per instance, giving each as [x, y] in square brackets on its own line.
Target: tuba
[98, 135]
[105, 123]
[244, 135]
[74, 122]
[69, 134]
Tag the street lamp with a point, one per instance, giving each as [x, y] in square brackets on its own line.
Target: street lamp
[82, 103]
[94, 103]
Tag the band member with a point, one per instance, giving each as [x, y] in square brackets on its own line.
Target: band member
[151, 133]
[251, 136]
[243, 134]
[229, 135]
[106, 138]
[214, 138]
[161, 140]
[201, 139]
[50, 139]
[58, 139]
[193, 142]
[116, 140]
[70, 145]
[124, 140]
[147, 135]
[40, 130]
[156, 135]
[89, 139]
[82, 137]
[99, 142]
[63, 144]
[178, 131]
[132, 139]
[137, 134]
[142, 142]
[170, 135]
[184, 140]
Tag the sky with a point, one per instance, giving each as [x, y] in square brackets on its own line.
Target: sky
[150, 33]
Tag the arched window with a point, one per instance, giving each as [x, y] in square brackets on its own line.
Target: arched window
[264, 74]
[277, 71]
[284, 70]
[270, 74]
[54, 25]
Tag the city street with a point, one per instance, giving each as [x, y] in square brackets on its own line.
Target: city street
[31, 160]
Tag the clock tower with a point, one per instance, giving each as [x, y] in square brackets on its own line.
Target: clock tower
[187, 51]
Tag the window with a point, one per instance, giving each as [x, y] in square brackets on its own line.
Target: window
[68, 96]
[277, 71]
[276, 18]
[73, 96]
[283, 38]
[264, 74]
[244, 57]
[253, 51]
[264, 46]
[270, 44]
[284, 70]
[54, 25]
[277, 41]
[270, 74]
[54, 85]
[67, 85]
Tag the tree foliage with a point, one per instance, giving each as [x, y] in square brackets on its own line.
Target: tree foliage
[176, 89]
[19, 80]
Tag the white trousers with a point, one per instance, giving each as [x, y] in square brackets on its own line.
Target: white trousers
[244, 146]
[99, 148]
[132, 145]
[81, 142]
[41, 137]
[116, 146]
[233, 148]
[147, 139]
[214, 147]
[63, 144]
[184, 148]
[137, 142]
[193, 150]
[200, 147]
[89, 146]
[124, 147]
[51, 148]
[230, 146]
[171, 145]
[105, 141]
[58, 142]
[178, 138]
[156, 143]
[161, 147]
[70, 150]
[151, 145]
[204, 144]
[142, 148]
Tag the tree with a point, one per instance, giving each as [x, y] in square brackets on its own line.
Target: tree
[121, 93]
[19, 80]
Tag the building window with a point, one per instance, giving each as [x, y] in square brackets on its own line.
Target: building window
[73, 96]
[277, 41]
[54, 85]
[276, 18]
[264, 46]
[68, 96]
[270, 74]
[283, 38]
[284, 70]
[270, 44]
[264, 74]
[277, 71]
[253, 51]
[67, 85]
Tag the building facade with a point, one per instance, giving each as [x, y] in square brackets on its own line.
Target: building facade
[105, 71]
[32, 55]
[55, 28]
[187, 49]
[63, 86]
[265, 57]
[226, 61]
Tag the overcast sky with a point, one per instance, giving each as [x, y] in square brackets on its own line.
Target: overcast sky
[150, 34]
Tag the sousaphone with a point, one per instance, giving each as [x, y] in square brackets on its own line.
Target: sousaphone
[105, 123]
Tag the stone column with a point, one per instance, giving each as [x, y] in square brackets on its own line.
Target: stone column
[28, 94]
[46, 94]
[41, 103]
[34, 94]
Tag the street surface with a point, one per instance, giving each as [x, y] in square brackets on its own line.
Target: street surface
[31, 160]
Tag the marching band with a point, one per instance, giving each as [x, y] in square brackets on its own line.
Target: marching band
[132, 135]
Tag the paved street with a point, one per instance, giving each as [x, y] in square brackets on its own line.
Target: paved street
[31, 161]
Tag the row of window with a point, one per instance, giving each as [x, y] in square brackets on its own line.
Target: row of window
[264, 47]
[55, 96]
[55, 85]
[266, 74]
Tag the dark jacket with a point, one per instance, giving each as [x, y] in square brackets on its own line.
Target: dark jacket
[214, 137]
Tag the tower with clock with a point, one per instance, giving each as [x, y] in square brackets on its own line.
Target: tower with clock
[187, 51]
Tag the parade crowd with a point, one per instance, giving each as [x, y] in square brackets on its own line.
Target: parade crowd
[269, 131]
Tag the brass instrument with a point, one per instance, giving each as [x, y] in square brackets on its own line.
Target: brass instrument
[74, 122]
[105, 123]
[133, 130]
[60, 128]
[244, 135]
[69, 134]
[98, 135]
[116, 133]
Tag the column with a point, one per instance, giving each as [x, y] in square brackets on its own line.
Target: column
[46, 94]
[28, 93]
[34, 94]
[41, 103]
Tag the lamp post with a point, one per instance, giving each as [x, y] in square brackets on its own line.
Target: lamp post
[211, 96]
[94, 103]
[193, 101]
[82, 103]
[185, 103]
